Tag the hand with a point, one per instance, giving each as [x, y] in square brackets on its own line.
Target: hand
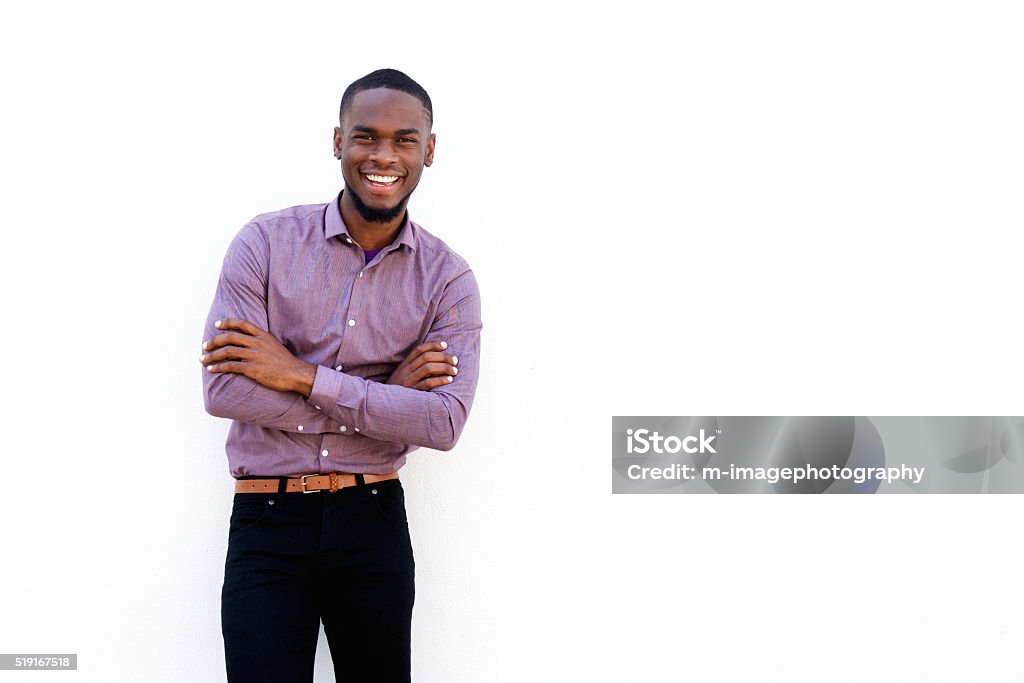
[259, 356]
[426, 367]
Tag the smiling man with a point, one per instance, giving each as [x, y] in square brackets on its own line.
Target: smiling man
[342, 337]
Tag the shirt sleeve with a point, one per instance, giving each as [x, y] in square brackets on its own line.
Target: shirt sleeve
[242, 293]
[433, 419]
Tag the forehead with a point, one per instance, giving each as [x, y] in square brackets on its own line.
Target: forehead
[386, 109]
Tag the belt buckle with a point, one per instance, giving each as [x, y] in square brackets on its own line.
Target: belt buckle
[304, 484]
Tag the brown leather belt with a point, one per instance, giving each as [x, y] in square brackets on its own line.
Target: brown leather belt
[311, 483]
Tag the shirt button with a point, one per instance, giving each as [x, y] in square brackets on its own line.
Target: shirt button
[349, 240]
[360, 273]
[324, 453]
[343, 428]
[317, 407]
[339, 368]
[357, 429]
[351, 323]
[300, 428]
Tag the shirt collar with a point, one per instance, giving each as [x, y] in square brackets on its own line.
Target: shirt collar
[334, 226]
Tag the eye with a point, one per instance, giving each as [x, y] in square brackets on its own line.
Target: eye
[362, 136]
[411, 141]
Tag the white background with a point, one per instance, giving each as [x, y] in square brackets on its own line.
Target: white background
[729, 208]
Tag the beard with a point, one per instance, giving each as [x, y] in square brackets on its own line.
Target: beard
[372, 215]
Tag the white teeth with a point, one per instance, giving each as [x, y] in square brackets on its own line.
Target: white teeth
[386, 179]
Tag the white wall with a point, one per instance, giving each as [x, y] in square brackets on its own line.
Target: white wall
[737, 208]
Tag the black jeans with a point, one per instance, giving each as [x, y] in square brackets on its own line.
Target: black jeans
[295, 559]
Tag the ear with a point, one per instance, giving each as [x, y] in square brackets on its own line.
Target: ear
[337, 143]
[429, 158]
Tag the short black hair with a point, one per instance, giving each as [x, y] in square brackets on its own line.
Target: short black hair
[387, 78]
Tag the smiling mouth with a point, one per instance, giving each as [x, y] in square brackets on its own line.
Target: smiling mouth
[381, 180]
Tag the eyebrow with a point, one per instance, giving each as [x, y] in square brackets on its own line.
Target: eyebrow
[369, 129]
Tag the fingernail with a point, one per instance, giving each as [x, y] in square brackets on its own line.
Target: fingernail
[455, 360]
[205, 344]
[209, 368]
[202, 359]
[444, 345]
[455, 371]
[217, 324]
[450, 378]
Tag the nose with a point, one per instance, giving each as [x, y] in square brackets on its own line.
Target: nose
[384, 153]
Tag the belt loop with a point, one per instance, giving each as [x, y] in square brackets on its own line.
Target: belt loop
[282, 484]
[359, 479]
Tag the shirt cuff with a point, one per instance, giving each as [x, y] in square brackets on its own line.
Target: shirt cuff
[336, 391]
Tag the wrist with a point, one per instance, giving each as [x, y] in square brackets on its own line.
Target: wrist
[305, 375]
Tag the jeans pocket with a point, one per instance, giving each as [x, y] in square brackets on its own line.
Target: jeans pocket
[390, 501]
[249, 511]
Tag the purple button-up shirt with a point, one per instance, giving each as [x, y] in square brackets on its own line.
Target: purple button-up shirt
[298, 274]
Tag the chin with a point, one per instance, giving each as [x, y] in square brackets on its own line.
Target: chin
[378, 214]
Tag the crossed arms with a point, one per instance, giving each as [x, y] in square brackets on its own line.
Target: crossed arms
[251, 377]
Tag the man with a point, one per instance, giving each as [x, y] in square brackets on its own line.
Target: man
[342, 336]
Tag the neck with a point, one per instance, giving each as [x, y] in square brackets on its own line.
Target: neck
[369, 235]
